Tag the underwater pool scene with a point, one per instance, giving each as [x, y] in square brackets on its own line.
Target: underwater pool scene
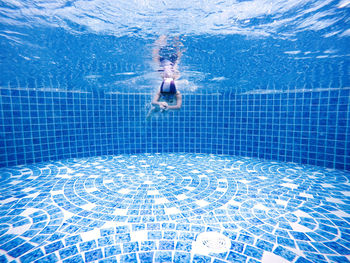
[253, 167]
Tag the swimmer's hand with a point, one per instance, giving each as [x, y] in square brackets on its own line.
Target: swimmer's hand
[163, 106]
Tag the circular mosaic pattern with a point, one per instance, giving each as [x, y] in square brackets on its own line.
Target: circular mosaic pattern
[155, 207]
[144, 188]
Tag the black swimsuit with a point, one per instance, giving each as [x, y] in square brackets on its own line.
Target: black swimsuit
[172, 88]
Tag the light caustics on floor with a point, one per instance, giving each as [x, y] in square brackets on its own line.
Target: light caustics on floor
[174, 208]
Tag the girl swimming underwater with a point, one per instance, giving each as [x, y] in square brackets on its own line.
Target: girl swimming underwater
[168, 97]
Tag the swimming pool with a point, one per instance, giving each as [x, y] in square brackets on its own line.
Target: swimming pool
[253, 168]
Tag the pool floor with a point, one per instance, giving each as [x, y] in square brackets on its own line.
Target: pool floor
[174, 208]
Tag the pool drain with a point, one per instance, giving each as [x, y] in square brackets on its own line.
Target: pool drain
[211, 242]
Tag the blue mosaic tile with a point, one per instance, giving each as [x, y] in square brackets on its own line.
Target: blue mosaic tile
[236, 246]
[48, 259]
[146, 257]
[53, 247]
[54, 237]
[302, 260]
[30, 233]
[246, 239]
[68, 252]
[327, 228]
[166, 245]
[184, 246]
[201, 258]
[75, 259]
[122, 229]
[138, 227]
[212, 229]
[102, 242]
[18, 251]
[148, 245]
[187, 236]
[197, 228]
[32, 256]
[153, 226]
[286, 242]
[325, 235]
[338, 259]
[128, 258]
[107, 232]
[93, 255]
[338, 248]
[73, 240]
[49, 230]
[288, 255]
[12, 244]
[282, 233]
[108, 260]
[170, 235]
[230, 234]
[321, 248]
[343, 242]
[219, 255]
[122, 238]
[316, 237]
[256, 231]
[180, 257]
[218, 261]
[163, 256]
[112, 250]
[235, 257]
[264, 245]
[315, 257]
[184, 227]
[306, 246]
[88, 245]
[253, 252]
[130, 247]
[154, 235]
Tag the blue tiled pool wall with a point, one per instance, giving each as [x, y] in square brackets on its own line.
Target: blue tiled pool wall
[302, 127]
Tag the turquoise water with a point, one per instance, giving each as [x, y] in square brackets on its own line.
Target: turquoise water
[236, 46]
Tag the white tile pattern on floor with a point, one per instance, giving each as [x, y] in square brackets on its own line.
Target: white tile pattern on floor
[152, 207]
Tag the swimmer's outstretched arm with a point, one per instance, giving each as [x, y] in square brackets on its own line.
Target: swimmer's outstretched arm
[164, 106]
[160, 107]
[161, 104]
[156, 98]
[178, 102]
